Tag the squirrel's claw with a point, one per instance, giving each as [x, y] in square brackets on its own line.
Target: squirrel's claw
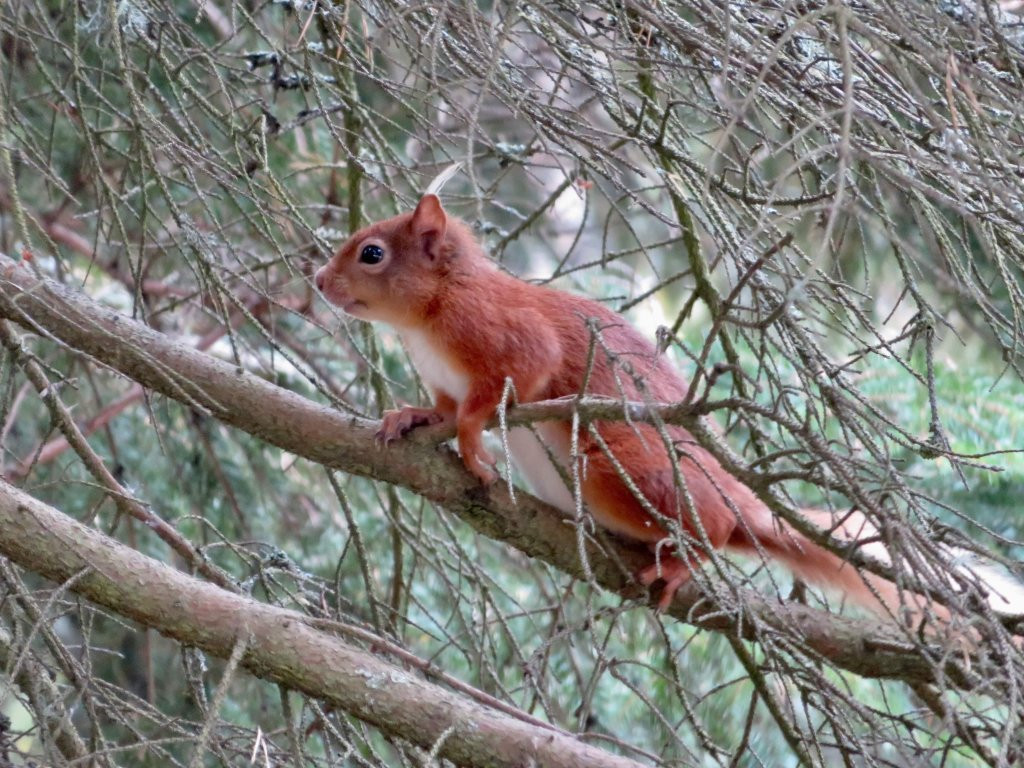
[673, 571]
[483, 465]
[397, 424]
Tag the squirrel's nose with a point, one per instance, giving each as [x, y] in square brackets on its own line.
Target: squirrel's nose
[320, 278]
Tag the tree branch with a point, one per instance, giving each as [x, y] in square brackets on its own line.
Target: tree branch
[279, 645]
[296, 424]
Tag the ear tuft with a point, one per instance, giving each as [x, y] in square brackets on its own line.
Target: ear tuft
[429, 224]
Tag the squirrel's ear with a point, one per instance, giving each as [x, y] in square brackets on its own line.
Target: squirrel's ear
[429, 223]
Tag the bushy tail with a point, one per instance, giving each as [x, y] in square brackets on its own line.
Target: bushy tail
[819, 566]
[1005, 593]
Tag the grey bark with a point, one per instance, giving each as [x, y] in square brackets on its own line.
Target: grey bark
[320, 434]
[280, 645]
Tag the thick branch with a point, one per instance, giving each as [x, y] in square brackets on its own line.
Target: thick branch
[279, 644]
[343, 442]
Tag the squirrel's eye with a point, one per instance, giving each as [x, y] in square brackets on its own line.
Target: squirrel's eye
[371, 254]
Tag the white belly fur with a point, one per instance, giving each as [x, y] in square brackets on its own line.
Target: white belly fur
[532, 460]
[528, 453]
[433, 366]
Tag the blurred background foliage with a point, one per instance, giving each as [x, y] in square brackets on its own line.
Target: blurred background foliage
[847, 175]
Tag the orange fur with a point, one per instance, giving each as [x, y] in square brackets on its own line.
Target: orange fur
[480, 326]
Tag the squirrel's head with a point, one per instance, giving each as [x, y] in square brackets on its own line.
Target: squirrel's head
[390, 271]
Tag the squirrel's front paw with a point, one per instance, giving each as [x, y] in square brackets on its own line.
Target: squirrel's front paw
[483, 466]
[396, 424]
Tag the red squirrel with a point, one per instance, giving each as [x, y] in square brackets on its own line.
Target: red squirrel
[468, 326]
